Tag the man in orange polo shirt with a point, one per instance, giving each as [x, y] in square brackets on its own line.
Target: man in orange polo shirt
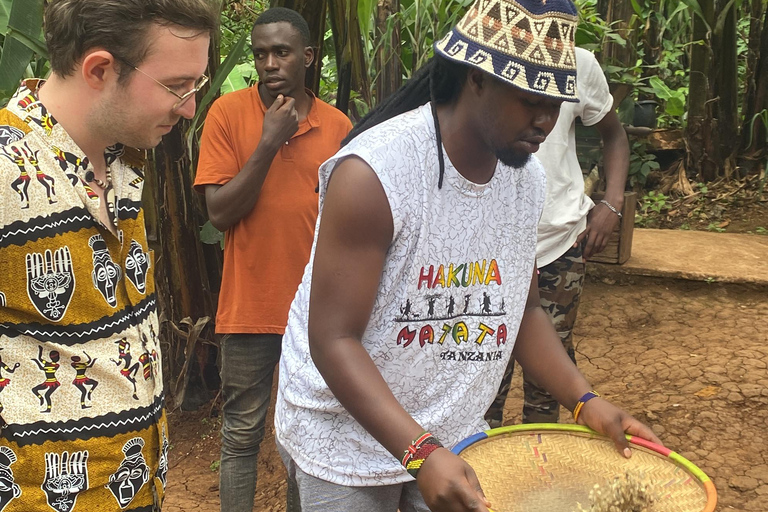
[259, 156]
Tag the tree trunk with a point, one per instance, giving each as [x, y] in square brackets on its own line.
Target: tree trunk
[388, 57]
[314, 12]
[726, 90]
[351, 69]
[619, 13]
[185, 268]
[700, 123]
[650, 41]
[753, 135]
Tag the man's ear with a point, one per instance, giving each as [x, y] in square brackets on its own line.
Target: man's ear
[476, 80]
[99, 68]
[309, 56]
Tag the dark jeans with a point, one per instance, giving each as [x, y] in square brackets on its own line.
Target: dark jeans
[248, 365]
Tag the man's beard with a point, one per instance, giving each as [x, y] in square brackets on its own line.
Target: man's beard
[513, 158]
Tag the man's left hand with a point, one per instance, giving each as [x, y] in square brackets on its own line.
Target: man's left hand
[604, 417]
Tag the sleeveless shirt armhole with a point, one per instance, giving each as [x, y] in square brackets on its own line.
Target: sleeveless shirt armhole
[396, 207]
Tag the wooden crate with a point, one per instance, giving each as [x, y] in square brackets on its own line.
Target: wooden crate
[619, 247]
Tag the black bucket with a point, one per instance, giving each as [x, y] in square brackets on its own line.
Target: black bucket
[645, 113]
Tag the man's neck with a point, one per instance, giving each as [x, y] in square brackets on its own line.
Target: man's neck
[464, 145]
[67, 102]
[302, 105]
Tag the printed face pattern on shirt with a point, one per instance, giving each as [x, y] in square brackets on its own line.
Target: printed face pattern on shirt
[9, 489]
[106, 273]
[162, 466]
[132, 474]
[136, 265]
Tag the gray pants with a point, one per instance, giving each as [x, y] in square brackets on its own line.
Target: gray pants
[320, 496]
[247, 366]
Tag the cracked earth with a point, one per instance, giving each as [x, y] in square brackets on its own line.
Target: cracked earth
[688, 358]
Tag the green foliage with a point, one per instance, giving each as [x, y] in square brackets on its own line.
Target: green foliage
[641, 163]
[23, 49]
[713, 226]
[760, 230]
[763, 117]
[593, 32]
[674, 100]
[421, 23]
[652, 202]
[210, 235]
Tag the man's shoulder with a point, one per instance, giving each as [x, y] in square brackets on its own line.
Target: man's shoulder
[330, 114]
[232, 102]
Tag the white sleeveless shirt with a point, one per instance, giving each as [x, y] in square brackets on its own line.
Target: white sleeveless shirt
[447, 312]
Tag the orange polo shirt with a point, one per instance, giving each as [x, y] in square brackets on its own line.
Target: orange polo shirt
[266, 251]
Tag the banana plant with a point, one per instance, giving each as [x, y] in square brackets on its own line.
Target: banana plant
[21, 28]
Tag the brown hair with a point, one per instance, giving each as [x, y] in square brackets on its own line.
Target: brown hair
[72, 27]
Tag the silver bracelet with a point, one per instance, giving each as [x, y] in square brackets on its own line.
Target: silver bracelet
[611, 207]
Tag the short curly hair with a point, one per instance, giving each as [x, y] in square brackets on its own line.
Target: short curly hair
[72, 27]
[278, 14]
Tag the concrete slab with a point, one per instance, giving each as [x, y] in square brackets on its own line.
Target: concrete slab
[695, 255]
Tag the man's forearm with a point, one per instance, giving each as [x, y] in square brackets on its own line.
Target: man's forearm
[357, 383]
[616, 164]
[540, 352]
[228, 204]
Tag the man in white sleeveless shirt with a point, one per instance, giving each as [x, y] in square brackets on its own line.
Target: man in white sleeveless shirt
[421, 282]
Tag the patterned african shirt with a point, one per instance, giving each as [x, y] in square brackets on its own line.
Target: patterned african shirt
[81, 396]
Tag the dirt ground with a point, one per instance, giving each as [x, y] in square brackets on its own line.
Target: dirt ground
[688, 358]
[725, 206]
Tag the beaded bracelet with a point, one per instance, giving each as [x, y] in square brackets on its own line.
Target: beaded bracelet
[584, 399]
[418, 451]
[611, 207]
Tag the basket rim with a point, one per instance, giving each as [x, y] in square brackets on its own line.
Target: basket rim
[693, 469]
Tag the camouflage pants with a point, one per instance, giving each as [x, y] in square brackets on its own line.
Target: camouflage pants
[560, 285]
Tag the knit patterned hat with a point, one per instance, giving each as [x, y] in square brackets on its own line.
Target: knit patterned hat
[528, 43]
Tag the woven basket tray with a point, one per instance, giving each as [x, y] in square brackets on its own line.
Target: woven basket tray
[552, 468]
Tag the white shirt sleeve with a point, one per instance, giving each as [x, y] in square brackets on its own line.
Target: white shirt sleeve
[595, 99]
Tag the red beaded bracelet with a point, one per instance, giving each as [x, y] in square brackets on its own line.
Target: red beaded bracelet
[418, 451]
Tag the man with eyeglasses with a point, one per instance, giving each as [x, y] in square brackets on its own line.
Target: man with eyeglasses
[76, 272]
[259, 155]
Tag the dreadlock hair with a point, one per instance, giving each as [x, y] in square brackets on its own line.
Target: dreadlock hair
[439, 81]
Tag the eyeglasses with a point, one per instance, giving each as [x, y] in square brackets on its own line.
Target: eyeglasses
[182, 98]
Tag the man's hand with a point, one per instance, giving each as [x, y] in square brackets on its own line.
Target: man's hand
[448, 484]
[601, 222]
[604, 417]
[280, 122]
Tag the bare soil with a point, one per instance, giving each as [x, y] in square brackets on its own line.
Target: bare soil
[688, 358]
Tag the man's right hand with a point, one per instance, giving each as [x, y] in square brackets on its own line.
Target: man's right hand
[280, 122]
[448, 484]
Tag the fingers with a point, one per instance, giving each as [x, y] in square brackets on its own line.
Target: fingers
[615, 431]
[589, 248]
[475, 484]
[638, 429]
[289, 103]
[581, 236]
[277, 103]
[48, 261]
